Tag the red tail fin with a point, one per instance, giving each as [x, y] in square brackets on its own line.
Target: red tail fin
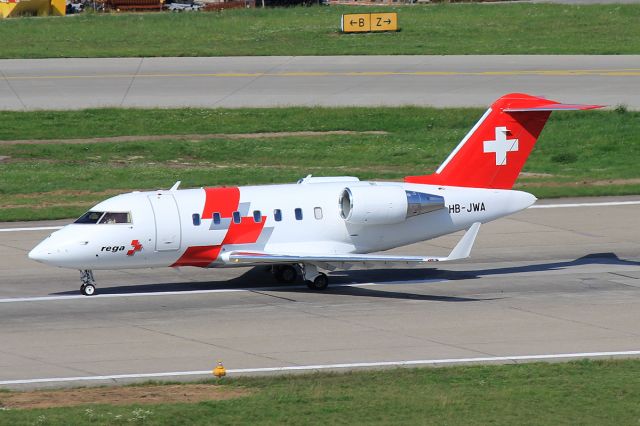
[495, 150]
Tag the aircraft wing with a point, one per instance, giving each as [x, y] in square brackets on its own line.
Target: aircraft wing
[460, 251]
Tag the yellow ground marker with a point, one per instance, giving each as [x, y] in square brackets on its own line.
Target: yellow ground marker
[219, 371]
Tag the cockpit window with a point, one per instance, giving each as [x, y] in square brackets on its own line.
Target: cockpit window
[90, 217]
[110, 217]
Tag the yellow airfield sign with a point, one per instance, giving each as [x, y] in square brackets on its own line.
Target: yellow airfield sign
[369, 22]
[356, 23]
[384, 21]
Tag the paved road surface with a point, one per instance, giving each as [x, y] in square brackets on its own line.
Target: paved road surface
[544, 281]
[441, 81]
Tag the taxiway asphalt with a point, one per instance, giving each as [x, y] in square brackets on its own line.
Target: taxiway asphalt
[441, 81]
[542, 282]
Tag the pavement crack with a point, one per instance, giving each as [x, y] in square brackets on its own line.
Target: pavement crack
[133, 79]
[15, 93]
[213, 345]
[272, 295]
[556, 228]
[49, 363]
[396, 333]
[252, 80]
[14, 247]
[556, 317]
[623, 275]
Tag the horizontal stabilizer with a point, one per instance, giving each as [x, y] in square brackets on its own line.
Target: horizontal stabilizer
[554, 107]
[462, 250]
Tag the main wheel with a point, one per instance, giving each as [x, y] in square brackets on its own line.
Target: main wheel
[288, 274]
[88, 289]
[319, 283]
[285, 274]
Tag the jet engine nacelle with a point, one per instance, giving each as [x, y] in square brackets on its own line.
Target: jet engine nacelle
[385, 205]
[373, 205]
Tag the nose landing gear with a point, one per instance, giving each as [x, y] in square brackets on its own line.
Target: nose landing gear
[88, 287]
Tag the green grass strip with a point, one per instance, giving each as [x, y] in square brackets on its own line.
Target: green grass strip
[582, 392]
[578, 154]
[445, 29]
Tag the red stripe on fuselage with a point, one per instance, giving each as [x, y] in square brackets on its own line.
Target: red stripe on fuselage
[200, 256]
[245, 232]
[222, 200]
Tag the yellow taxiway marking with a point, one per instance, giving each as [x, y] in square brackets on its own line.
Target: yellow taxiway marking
[631, 72]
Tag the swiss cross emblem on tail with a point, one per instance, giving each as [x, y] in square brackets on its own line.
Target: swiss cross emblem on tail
[501, 145]
[516, 120]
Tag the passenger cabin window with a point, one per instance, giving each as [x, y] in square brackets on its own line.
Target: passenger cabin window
[111, 218]
[90, 217]
[298, 212]
[257, 216]
[216, 218]
[236, 217]
[196, 219]
[277, 215]
[317, 212]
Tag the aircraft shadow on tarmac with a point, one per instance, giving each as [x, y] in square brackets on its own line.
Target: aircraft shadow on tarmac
[342, 282]
[590, 259]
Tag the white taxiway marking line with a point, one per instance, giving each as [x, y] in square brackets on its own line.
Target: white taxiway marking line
[559, 206]
[191, 292]
[35, 228]
[514, 358]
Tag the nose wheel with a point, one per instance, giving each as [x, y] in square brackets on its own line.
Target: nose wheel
[88, 287]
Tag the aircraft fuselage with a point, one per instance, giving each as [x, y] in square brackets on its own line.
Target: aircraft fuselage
[197, 227]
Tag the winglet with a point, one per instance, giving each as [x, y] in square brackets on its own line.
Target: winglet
[462, 250]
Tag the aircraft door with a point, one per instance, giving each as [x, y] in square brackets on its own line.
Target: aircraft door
[167, 218]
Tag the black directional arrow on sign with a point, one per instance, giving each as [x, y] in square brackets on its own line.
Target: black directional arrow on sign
[352, 22]
[388, 21]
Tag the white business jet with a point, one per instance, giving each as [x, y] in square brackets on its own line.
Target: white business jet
[320, 223]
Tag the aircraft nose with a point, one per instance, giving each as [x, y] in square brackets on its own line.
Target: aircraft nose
[61, 249]
[51, 251]
[40, 253]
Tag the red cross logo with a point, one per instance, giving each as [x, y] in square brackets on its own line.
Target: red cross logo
[136, 247]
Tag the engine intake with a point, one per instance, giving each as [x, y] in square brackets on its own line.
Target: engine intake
[385, 205]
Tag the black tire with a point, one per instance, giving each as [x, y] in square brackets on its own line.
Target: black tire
[286, 274]
[88, 289]
[276, 271]
[289, 274]
[319, 283]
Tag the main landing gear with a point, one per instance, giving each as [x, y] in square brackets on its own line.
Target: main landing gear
[88, 287]
[285, 274]
[288, 274]
[315, 280]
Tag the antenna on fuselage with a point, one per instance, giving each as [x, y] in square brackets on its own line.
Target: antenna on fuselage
[175, 186]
